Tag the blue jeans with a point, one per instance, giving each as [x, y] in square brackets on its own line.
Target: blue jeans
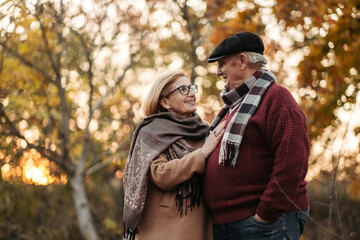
[289, 226]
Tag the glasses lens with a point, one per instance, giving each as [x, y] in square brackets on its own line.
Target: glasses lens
[184, 90]
[194, 88]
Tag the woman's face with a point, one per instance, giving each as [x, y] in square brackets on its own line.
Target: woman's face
[177, 103]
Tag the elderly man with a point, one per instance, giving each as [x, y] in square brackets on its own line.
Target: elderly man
[254, 181]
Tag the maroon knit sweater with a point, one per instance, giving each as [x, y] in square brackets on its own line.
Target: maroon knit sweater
[268, 178]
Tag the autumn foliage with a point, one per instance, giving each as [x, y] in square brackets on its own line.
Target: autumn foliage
[72, 74]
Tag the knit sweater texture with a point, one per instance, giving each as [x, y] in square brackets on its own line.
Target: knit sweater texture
[269, 176]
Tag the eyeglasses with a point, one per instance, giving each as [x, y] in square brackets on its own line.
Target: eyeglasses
[184, 90]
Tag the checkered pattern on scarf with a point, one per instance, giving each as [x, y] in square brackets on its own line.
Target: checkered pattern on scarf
[249, 94]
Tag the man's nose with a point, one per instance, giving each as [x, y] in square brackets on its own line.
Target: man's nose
[219, 72]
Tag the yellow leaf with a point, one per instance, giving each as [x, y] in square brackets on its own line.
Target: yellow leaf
[110, 224]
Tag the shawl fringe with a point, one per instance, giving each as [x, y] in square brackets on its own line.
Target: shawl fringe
[194, 189]
[129, 233]
[190, 189]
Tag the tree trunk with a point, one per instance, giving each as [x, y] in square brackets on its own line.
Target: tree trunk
[85, 220]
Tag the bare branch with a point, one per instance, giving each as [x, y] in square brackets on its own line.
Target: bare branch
[313, 220]
[322, 204]
[87, 51]
[45, 152]
[193, 28]
[97, 105]
[81, 165]
[97, 163]
[27, 63]
[336, 160]
[47, 49]
[103, 164]
[2, 61]
[119, 79]
[353, 233]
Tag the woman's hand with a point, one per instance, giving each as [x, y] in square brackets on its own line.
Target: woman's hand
[213, 139]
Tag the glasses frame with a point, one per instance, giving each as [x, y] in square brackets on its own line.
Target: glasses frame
[192, 87]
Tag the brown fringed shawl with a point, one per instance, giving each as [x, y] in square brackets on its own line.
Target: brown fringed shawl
[160, 133]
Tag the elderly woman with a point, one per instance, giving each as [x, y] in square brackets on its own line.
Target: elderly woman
[162, 179]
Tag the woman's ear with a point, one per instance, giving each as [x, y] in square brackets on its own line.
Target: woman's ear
[164, 103]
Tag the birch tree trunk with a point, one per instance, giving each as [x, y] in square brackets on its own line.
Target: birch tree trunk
[82, 208]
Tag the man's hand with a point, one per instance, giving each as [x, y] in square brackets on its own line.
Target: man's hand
[258, 218]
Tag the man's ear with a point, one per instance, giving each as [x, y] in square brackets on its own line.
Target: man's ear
[164, 103]
[244, 61]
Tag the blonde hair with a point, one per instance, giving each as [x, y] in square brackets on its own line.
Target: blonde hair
[158, 90]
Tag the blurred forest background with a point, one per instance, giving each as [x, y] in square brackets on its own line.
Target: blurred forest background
[72, 73]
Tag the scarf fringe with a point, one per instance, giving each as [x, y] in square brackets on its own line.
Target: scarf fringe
[228, 153]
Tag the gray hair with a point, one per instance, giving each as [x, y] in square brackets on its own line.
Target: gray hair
[257, 59]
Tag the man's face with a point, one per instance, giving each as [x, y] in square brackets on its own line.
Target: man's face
[229, 69]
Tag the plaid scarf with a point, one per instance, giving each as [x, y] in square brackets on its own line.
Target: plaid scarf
[160, 133]
[249, 94]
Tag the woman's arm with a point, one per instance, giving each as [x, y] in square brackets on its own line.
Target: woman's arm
[168, 174]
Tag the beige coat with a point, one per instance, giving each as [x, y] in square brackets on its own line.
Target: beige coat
[161, 219]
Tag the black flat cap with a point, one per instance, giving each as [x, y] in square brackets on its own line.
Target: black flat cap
[239, 42]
